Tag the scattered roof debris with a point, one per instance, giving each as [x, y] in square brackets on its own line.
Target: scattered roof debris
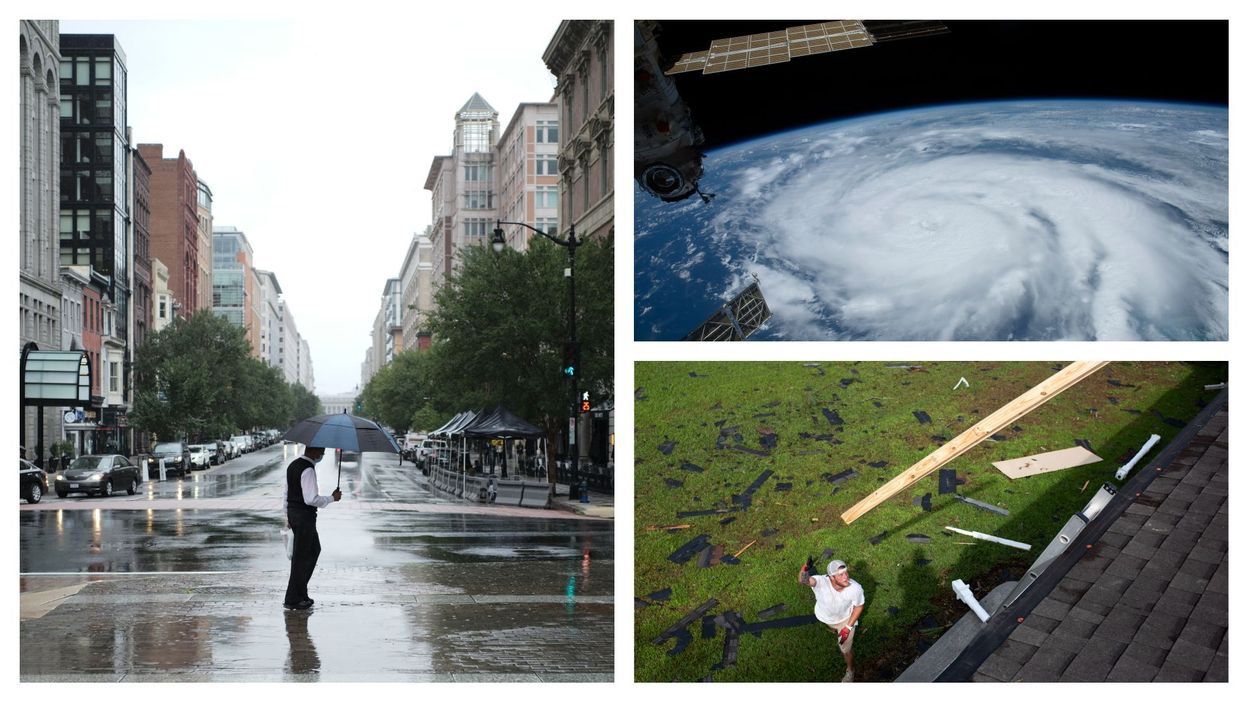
[666, 447]
[983, 505]
[690, 549]
[923, 417]
[925, 502]
[773, 611]
[949, 481]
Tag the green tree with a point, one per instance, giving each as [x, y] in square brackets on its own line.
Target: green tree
[501, 323]
[304, 404]
[188, 378]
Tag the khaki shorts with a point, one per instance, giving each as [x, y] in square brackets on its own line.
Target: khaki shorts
[849, 640]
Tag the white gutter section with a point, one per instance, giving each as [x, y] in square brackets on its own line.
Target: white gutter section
[964, 593]
[1122, 472]
[989, 537]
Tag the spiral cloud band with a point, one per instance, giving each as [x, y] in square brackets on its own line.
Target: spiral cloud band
[1036, 221]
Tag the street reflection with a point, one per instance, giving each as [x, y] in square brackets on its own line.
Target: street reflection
[303, 658]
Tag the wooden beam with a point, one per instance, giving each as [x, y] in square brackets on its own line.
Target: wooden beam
[1008, 414]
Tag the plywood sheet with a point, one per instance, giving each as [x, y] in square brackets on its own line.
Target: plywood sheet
[1046, 462]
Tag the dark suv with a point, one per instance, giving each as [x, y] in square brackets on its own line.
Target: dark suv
[177, 457]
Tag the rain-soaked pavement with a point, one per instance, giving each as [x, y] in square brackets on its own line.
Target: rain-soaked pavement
[184, 581]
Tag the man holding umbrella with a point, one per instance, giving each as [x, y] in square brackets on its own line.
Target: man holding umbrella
[302, 501]
[341, 431]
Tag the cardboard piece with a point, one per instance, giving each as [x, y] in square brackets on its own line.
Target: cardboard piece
[1046, 462]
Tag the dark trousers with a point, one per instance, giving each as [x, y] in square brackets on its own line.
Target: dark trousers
[307, 550]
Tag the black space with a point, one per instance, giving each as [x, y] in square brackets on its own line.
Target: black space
[1177, 61]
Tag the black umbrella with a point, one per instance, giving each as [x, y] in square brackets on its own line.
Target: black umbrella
[342, 431]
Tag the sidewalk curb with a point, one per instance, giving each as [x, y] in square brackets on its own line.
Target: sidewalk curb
[588, 510]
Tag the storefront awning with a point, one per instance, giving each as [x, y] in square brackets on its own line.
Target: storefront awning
[55, 378]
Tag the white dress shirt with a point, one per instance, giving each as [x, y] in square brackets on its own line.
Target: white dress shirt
[311, 491]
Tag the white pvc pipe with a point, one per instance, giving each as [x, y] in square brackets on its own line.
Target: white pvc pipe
[964, 593]
[1122, 472]
[989, 537]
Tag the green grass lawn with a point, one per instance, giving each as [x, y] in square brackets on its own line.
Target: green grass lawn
[909, 598]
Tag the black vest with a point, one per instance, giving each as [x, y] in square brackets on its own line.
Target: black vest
[294, 489]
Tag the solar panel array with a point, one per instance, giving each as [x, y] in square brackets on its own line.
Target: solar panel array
[735, 321]
[767, 48]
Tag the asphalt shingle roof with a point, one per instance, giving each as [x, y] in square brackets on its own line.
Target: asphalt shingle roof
[1148, 601]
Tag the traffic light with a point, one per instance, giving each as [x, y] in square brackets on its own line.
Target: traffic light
[571, 358]
[585, 401]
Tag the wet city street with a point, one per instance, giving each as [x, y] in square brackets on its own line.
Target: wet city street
[184, 581]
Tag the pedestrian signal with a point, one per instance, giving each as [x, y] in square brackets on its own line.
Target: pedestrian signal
[571, 358]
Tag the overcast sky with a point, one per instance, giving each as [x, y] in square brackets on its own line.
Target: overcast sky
[316, 134]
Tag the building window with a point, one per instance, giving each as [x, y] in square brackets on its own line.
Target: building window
[547, 132]
[479, 173]
[604, 170]
[550, 225]
[478, 199]
[476, 227]
[546, 196]
[476, 137]
[547, 165]
[114, 376]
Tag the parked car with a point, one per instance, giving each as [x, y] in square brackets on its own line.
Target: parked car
[244, 443]
[216, 452]
[103, 474]
[201, 456]
[345, 457]
[34, 481]
[177, 457]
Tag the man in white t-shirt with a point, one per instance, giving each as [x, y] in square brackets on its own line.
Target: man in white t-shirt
[838, 603]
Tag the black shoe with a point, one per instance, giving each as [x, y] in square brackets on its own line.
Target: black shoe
[302, 604]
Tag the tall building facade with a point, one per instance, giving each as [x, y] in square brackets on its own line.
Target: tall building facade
[95, 225]
[465, 203]
[268, 294]
[288, 344]
[233, 283]
[416, 283]
[175, 224]
[387, 325]
[39, 193]
[140, 225]
[94, 194]
[203, 244]
[581, 55]
[306, 376]
[528, 172]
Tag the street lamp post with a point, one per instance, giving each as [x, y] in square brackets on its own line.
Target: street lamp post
[498, 243]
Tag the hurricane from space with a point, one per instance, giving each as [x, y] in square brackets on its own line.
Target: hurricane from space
[1043, 220]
